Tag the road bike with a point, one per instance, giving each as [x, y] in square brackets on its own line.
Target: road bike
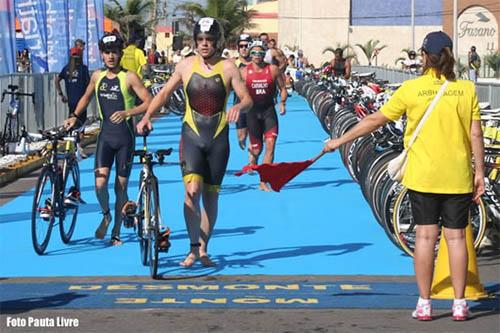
[12, 131]
[57, 192]
[145, 214]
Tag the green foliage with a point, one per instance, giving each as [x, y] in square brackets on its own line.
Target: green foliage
[399, 60]
[131, 16]
[232, 14]
[493, 61]
[347, 51]
[460, 68]
[369, 49]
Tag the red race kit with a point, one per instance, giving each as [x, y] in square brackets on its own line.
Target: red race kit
[262, 121]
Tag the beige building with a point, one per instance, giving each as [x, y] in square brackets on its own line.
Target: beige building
[266, 19]
[314, 25]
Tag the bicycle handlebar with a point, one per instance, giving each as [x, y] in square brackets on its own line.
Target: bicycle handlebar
[17, 93]
[58, 134]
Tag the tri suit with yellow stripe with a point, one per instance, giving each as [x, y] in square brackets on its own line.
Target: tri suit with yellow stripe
[204, 146]
[115, 141]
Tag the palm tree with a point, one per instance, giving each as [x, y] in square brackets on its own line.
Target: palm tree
[370, 49]
[131, 17]
[233, 15]
[347, 50]
[493, 61]
[400, 60]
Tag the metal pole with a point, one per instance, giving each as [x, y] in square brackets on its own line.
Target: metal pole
[413, 24]
[300, 24]
[455, 29]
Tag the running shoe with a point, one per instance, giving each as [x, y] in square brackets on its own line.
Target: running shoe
[46, 211]
[461, 312]
[72, 199]
[129, 214]
[423, 312]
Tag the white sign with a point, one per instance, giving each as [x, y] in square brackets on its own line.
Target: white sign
[477, 27]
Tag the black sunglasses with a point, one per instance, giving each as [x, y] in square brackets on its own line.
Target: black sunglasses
[243, 46]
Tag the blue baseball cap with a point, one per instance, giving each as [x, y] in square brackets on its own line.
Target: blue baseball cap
[436, 41]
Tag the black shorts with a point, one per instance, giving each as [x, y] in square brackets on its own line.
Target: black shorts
[262, 124]
[203, 154]
[453, 209]
[119, 148]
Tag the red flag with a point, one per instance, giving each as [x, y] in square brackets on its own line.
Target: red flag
[278, 174]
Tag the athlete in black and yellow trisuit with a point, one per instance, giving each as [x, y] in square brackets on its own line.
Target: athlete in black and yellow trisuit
[243, 59]
[113, 87]
[204, 149]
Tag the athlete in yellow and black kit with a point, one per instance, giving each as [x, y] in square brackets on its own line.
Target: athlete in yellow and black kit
[204, 148]
[113, 88]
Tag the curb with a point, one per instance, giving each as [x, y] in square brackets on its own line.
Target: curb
[32, 163]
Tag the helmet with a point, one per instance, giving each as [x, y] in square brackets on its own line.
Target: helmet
[258, 43]
[245, 38]
[110, 41]
[210, 26]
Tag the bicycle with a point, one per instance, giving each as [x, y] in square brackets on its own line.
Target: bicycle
[54, 181]
[145, 216]
[405, 227]
[11, 126]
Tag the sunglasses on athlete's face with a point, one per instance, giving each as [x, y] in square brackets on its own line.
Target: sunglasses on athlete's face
[258, 53]
[243, 46]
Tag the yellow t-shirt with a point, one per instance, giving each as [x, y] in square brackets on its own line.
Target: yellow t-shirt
[133, 59]
[440, 160]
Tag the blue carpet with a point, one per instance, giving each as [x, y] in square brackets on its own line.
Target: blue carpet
[318, 224]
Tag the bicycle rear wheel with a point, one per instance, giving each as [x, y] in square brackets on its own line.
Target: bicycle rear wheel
[43, 210]
[153, 228]
[69, 212]
[405, 227]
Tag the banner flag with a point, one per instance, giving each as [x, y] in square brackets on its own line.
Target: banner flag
[7, 37]
[95, 24]
[57, 34]
[33, 19]
[78, 24]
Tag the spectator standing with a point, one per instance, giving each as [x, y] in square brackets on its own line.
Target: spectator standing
[133, 58]
[474, 62]
[76, 79]
[176, 58]
[412, 64]
[340, 65]
[153, 56]
[24, 65]
[163, 58]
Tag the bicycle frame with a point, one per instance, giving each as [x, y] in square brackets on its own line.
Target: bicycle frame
[147, 175]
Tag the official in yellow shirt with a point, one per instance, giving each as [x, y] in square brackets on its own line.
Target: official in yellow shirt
[133, 58]
[439, 176]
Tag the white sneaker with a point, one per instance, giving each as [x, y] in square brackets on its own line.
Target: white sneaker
[423, 312]
[461, 312]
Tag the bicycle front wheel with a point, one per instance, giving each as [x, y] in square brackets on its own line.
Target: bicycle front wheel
[69, 210]
[153, 228]
[43, 210]
[142, 222]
